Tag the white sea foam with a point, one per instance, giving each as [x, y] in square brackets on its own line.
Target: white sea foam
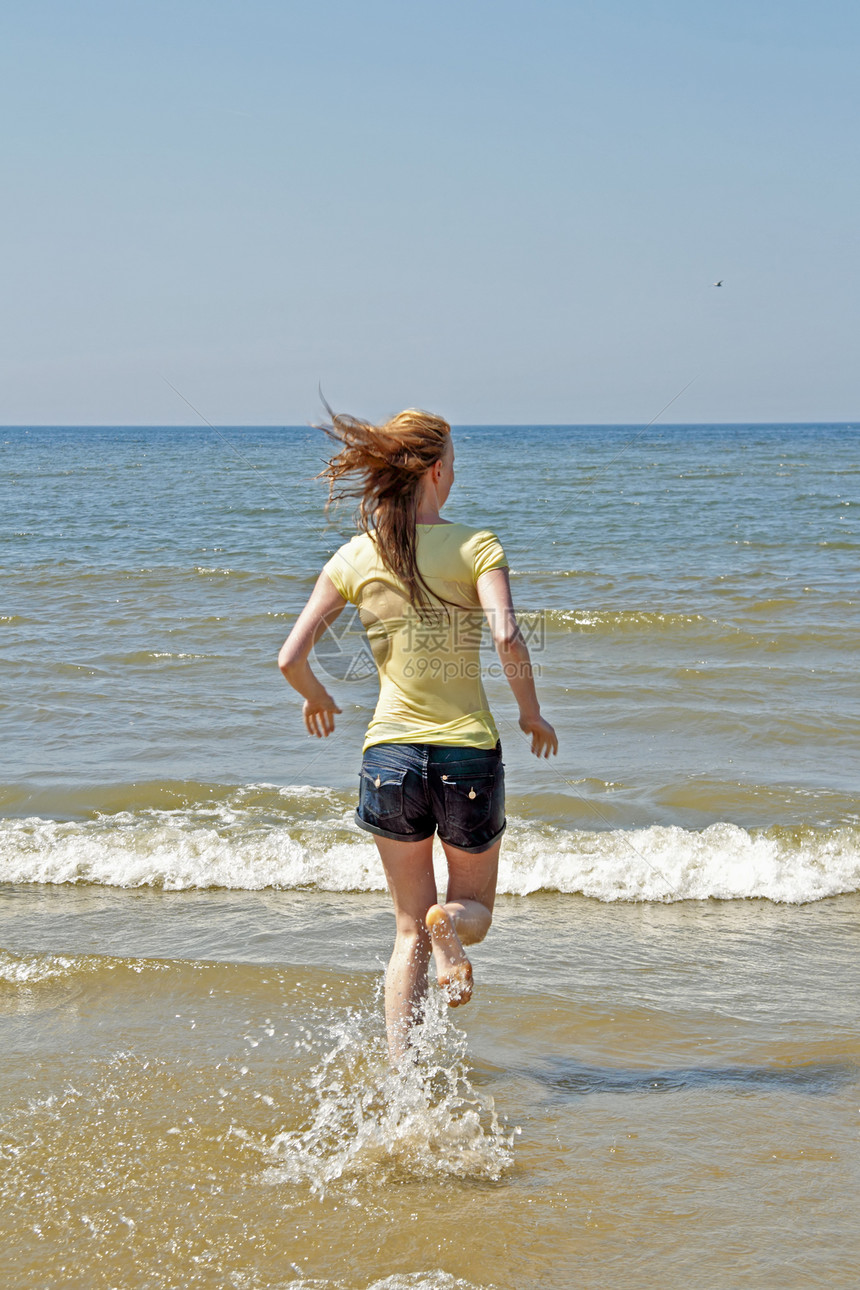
[435, 1280]
[30, 969]
[668, 863]
[308, 840]
[173, 850]
[432, 1279]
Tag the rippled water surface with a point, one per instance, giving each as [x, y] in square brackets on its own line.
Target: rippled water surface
[658, 1080]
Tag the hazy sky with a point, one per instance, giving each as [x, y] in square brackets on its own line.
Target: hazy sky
[505, 212]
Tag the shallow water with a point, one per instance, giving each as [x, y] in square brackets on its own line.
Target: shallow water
[690, 595]
[628, 1098]
[658, 1080]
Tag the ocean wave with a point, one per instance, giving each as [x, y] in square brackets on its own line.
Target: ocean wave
[157, 656]
[433, 1279]
[613, 619]
[31, 969]
[668, 863]
[756, 629]
[304, 837]
[73, 574]
[555, 573]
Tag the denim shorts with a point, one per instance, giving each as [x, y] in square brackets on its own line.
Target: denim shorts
[407, 791]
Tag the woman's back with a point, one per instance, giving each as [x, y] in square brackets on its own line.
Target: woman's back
[429, 662]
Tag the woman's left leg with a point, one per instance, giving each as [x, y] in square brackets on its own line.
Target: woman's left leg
[409, 872]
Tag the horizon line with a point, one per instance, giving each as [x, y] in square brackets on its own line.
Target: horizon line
[455, 425]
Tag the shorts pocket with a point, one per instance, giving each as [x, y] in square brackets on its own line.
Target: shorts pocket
[468, 797]
[380, 793]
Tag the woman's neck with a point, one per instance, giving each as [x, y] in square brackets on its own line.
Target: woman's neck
[427, 508]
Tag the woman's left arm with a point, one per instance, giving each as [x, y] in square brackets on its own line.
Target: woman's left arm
[494, 593]
[324, 605]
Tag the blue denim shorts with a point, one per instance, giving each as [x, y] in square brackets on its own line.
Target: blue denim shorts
[408, 791]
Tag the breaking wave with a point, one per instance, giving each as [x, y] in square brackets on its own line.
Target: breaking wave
[303, 837]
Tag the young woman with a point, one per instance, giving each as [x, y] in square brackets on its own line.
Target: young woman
[432, 757]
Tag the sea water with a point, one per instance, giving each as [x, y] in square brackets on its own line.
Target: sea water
[657, 1079]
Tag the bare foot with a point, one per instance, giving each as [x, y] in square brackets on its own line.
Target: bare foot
[453, 969]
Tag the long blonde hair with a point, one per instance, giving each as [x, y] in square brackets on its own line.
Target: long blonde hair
[387, 463]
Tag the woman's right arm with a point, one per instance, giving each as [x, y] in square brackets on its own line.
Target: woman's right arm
[319, 707]
[494, 593]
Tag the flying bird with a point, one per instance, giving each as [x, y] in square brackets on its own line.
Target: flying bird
[717, 284]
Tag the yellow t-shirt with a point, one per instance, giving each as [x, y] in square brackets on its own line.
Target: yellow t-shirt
[430, 687]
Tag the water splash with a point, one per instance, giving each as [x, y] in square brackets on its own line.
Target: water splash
[424, 1119]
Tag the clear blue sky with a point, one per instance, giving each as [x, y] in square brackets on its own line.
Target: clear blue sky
[506, 212]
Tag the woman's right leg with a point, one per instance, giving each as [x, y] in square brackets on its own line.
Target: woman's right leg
[465, 917]
[409, 872]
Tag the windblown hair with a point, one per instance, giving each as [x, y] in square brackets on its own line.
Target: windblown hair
[382, 467]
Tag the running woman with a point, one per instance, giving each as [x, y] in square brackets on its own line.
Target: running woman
[432, 759]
